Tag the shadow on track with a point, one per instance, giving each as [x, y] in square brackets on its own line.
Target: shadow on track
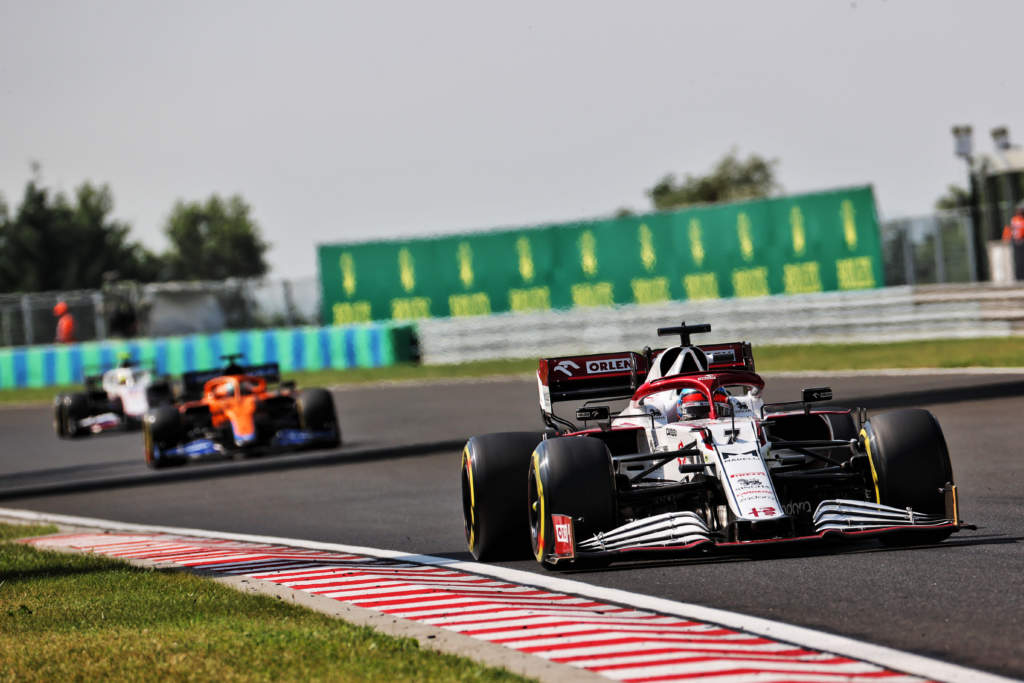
[959, 394]
[761, 554]
[232, 469]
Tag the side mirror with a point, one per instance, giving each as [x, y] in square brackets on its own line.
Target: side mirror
[592, 413]
[817, 394]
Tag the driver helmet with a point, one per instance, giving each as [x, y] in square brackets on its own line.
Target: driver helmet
[723, 408]
[692, 404]
[226, 390]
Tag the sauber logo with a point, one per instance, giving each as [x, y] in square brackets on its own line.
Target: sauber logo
[607, 365]
[797, 507]
[565, 365]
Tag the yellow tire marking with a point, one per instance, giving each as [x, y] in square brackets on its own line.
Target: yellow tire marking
[540, 497]
[468, 464]
[871, 462]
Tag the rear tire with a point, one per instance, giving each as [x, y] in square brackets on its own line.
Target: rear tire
[493, 497]
[316, 412]
[569, 476]
[159, 394]
[910, 465]
[161, 429]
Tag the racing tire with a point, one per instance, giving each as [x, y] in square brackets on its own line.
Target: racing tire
[315, 408]
[161, 428]
[159, 394]
[569, 476]
[493, 497]
[909, 466]
[58, 416]
[844, 428]
[71, 409]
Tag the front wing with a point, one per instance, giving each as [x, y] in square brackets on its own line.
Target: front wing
[678, 532]
[283, 440]
[106, 422]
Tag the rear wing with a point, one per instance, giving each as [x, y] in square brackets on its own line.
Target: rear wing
[618, 375]
[192, 382]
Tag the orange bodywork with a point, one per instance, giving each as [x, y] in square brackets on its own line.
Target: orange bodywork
[234, 399]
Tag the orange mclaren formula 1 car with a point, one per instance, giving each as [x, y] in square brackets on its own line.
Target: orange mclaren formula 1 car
[231, 411]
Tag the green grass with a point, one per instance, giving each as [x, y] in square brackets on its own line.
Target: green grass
[994, 352]
[82, 617]
[997, 352]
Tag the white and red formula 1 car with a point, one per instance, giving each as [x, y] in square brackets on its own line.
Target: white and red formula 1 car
[113, 400]
[696, 460]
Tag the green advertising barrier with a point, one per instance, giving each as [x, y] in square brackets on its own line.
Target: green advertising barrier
[788, 245]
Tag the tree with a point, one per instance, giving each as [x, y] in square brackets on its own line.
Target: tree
[214, 240]
[52, 243]
[955, 197]
[731, 179]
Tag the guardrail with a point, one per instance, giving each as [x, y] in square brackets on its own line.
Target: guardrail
[300, 348]
[888, 314]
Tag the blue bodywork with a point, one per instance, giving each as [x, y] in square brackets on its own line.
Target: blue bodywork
[284, 439]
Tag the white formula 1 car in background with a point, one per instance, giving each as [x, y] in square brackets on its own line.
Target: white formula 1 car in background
[115, 399]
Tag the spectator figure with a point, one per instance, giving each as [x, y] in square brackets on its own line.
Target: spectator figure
[1014, 231]
[1014, 235]
[65, 323]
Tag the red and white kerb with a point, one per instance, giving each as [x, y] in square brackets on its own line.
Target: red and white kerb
[613, 640]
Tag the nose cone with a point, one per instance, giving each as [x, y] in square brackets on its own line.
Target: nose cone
[245, 439]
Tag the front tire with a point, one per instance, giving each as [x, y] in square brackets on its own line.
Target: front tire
[161, 429]
[569, 476]
[71, 409]
[909, 466]
[58, 417]
[493, 497]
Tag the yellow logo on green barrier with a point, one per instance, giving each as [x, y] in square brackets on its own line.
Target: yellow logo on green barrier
[746, 238]
[525, 258]
[348, 274]
[406, 270]
[588, 253]
[465, 256]
[849, 216]
[796, 224]
[696, 245]
[647, 255]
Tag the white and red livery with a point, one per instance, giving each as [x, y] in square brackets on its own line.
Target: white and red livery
[695, 459]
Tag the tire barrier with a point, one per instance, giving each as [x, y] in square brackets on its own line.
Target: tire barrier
[300, 348]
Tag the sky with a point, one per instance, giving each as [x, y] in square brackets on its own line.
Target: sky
[351, 121]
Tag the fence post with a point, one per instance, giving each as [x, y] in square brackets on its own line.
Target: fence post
[969, 232]
[908, 257]
[26, 318]
[8, 336]
[940, 261]
[97, 309]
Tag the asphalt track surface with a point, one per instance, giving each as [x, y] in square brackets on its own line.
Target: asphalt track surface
[395, 485]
